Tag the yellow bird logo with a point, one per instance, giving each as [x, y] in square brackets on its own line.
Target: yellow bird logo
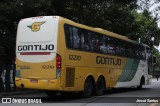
[36, 26]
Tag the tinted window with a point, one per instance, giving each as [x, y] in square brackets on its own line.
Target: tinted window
[86, 40]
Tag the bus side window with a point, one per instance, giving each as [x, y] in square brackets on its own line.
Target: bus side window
[121, 51]
[112, 46]
[84, 42]
[103, 47]
[109, 45]
[98, 42]
[68, 36]
[76, 38]
[116, 47]
[143, 53]
[92, 40]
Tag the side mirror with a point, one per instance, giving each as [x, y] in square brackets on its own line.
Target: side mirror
[154, 60]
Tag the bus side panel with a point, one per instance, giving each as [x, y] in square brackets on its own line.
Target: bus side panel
[75, 76]
[82, 64]
[77, 65]
[136, 70]
[129, 70]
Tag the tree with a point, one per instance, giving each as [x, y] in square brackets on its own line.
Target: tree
[146, 28]
[150, 10]
[117, 16]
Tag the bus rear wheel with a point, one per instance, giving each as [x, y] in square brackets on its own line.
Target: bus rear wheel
[100, 86]
[88, 88]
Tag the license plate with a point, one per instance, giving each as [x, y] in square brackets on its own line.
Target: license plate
[34, 80]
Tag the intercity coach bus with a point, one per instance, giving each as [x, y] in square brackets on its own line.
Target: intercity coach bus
[55, 54]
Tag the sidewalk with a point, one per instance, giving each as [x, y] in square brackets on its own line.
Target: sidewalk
[155, 80]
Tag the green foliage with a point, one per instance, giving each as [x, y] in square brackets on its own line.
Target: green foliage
[146, 28]
[114, 15]
[157, 54]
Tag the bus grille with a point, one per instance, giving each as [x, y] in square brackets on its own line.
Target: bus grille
[70, 74]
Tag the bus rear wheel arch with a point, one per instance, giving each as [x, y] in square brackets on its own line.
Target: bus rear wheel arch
[100, 86]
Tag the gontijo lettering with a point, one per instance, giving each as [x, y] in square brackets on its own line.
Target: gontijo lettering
[107, 60]
[35, 47]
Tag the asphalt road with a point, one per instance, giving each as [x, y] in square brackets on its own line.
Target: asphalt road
[148, 96]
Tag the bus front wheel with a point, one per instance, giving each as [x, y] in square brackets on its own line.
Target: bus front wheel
[142, 81]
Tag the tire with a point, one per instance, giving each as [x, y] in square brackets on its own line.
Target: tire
[88, 88]
[51, 93]
[141, 84]
[100, 86]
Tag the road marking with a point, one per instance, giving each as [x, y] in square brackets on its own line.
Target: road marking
[153, 104]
